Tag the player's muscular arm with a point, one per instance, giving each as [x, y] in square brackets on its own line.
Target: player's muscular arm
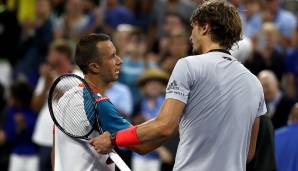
[155, 132]
[150, 134]
[164, 125]
[253, 139]
[146, 147]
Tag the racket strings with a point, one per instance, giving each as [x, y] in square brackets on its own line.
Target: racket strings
[73, 106]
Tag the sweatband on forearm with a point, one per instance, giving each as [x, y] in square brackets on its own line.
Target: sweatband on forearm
[127, 137]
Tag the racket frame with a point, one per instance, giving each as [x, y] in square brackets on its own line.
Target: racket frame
[95, 126]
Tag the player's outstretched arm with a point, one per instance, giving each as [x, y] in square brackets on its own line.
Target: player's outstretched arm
[147, 136]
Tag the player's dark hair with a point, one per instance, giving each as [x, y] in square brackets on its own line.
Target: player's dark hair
[86, 50]
[223, 19]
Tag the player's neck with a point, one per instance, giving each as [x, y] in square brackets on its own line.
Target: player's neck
[96, 84]
[211, 47]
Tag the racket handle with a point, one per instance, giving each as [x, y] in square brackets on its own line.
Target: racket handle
[119, 162]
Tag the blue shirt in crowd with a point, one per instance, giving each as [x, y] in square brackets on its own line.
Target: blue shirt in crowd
[118, 15]
[285, 22]
[22, 143]
[251, 25]
[291, 65]
[119, 94]
[286, 148]
[149, 113]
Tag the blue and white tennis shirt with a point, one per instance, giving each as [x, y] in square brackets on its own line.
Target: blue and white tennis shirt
[75, 154]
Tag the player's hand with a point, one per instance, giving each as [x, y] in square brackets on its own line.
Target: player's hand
[102, 143]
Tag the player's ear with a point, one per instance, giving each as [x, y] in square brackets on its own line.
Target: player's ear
[94, 68]
[205, 28]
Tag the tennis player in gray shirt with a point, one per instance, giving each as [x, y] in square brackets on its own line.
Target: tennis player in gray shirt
[211, 98]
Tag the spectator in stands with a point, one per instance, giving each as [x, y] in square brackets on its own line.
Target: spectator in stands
[278, 103]
[73, 23]
[178, 47]
[152, 83]
[19, 128]
[267, 54]
[123, 36]
[115, 14]
[162, 7]
[143, 14]
[119, 94]
[94, 13]
[173, 23]
[286, 140]
[284, 20]
[251, 18]
[42, 35]
[134, 65]
[291, 69]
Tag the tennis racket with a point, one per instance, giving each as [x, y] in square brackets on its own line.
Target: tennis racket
[73, 108]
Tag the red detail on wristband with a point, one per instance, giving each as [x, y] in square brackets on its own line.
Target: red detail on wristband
[127, 137]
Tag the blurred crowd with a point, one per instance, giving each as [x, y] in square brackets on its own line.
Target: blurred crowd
[37, 41]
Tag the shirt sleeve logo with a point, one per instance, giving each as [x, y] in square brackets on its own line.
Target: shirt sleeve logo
[174, 89]
[173, 86]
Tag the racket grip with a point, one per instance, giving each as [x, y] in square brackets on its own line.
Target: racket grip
[119, 162]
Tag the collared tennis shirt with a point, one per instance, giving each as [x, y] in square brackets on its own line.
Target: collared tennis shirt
[222, 101]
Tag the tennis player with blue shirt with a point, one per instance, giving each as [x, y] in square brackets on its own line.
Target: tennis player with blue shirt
[211, 98]
[96, 56]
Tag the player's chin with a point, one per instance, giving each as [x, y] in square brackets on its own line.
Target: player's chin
[115, 77]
